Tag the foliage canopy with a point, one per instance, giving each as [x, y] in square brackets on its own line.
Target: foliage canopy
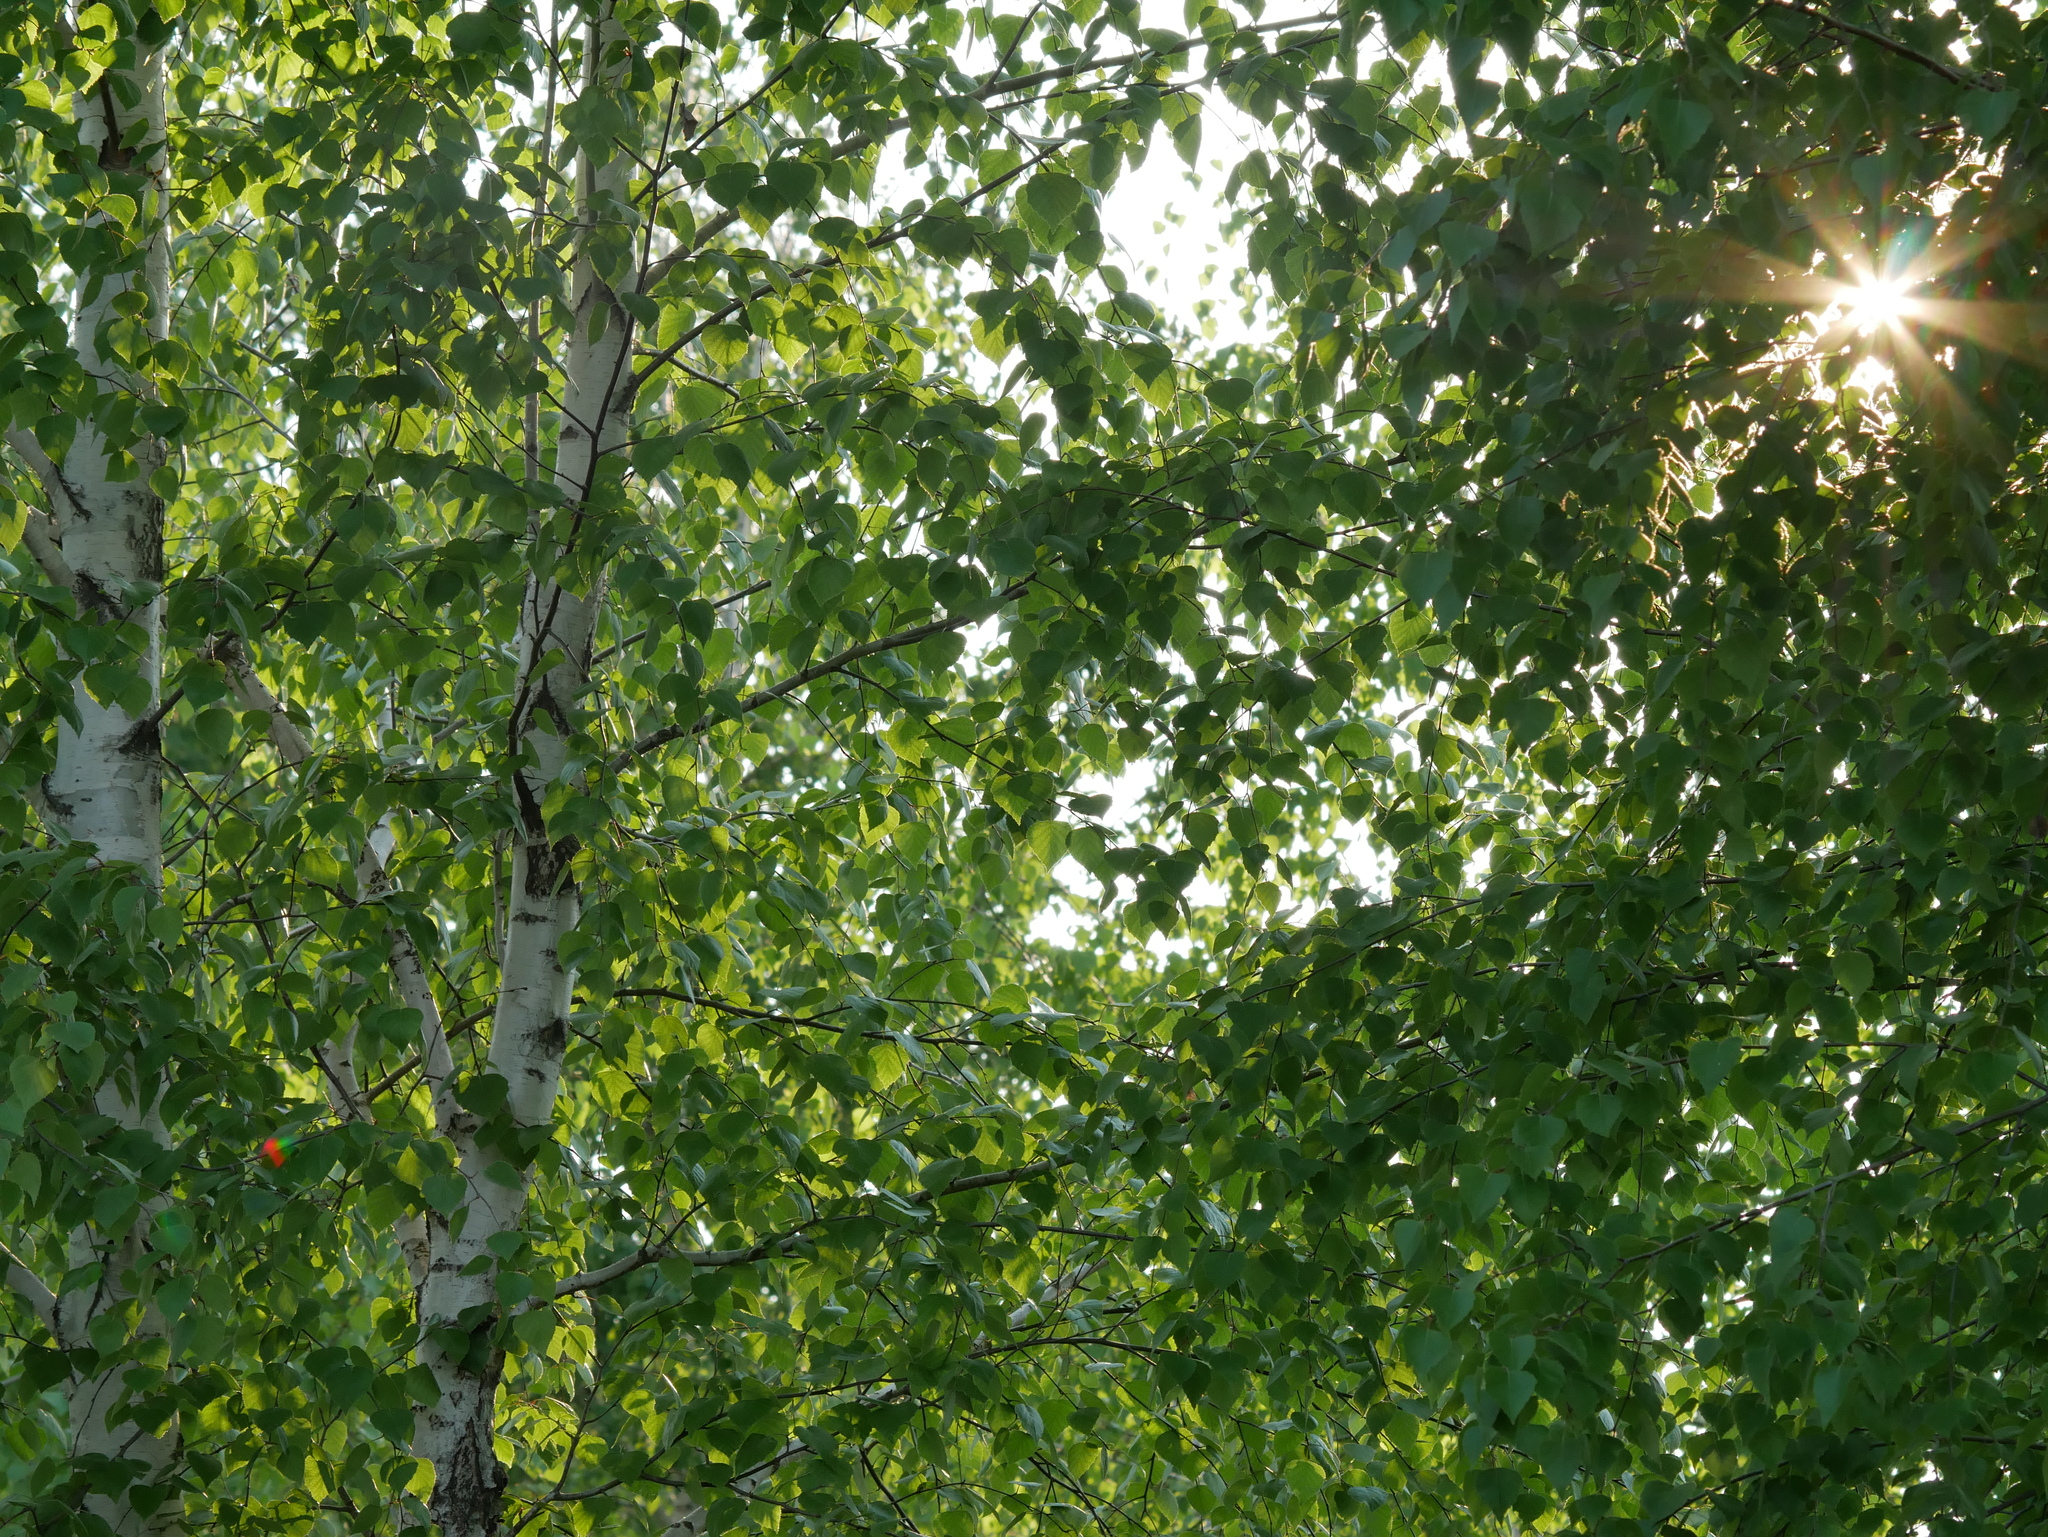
[579, 578]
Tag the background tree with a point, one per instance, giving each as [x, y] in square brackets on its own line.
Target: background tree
[583, 577]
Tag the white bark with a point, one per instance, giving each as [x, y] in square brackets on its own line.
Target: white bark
[30, 1286]
[530, 1029]
[40, 534]
[104, 788]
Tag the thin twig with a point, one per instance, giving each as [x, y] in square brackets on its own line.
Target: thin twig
[811, 674]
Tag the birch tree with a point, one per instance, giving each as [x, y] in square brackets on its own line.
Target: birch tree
[97, 537]
[704, 827]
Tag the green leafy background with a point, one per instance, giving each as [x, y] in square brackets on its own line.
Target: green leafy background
[1652, 1144]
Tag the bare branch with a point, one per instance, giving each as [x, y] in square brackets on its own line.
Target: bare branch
[1017, 1176]
[39, 533]
[409, 973]
[338, 1063]
[654, 1254]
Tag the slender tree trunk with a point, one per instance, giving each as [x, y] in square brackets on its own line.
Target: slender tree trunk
[104, 788]
[408, 971]
[558, 614]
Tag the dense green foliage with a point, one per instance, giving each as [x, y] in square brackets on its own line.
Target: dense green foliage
[1655, 1147]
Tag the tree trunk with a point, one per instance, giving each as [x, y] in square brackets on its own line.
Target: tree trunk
[558, 615]
[104, 788]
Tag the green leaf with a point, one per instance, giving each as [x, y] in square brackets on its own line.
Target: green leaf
[173, 1230]
[1713, 1061]
[1588, 982]
[796, 182]
[1055, 197]
[1424, 573]
[1853, 971]
[1496, 1488]
[726, 344]
[1679, 125]
[1462, 243]
[1432, 1355]
[1550, 208]
[1231, 395]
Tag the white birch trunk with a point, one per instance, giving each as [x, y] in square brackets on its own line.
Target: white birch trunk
[104, 788]
[458, 1312]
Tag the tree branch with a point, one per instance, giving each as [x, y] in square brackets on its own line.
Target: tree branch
[373, 881]
[811, 674]
[824, 264]
[1947, 72]
[40, 533]
[713, 1259]
[251, 693]
[336, 1058]
[995, 86]
[1186, 45]
[654, 1254]
[609, 652]
[31, 1287]
[344, 1090]
[1055, 1297]
[455, 1032]
[740, 1010]
[1016, 1176]
[1865, 1171]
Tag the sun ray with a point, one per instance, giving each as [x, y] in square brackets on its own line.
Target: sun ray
[1881, 299]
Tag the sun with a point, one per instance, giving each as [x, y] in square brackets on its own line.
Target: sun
[1875, 302]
